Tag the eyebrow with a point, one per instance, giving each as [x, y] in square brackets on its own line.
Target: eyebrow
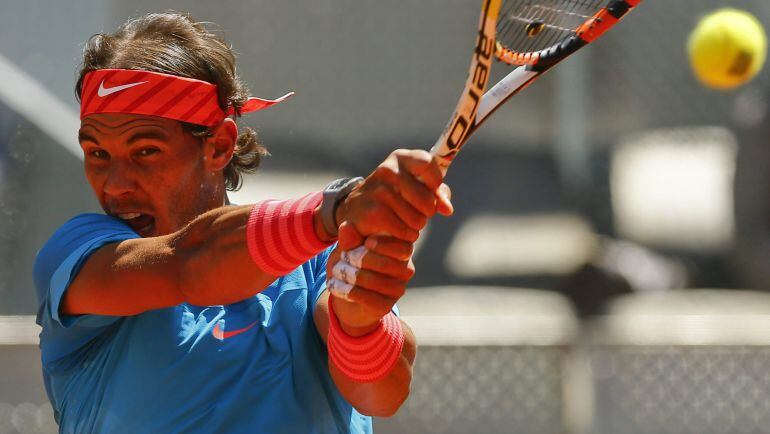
[85, 137]
[147, 135]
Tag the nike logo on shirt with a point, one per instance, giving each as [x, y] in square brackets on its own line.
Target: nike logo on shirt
[104, 91]
[221, 334]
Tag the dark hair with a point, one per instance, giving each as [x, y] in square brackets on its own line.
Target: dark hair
[174, 43]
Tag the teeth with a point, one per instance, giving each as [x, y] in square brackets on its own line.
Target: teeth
[129, 216]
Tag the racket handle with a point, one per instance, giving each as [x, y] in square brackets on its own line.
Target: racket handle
[443, 162]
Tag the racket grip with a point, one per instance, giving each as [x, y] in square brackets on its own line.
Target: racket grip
[443, 162]
[443, 153]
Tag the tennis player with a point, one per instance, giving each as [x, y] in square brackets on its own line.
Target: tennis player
[175, 311]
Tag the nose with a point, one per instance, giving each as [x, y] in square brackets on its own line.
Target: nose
[120, 180]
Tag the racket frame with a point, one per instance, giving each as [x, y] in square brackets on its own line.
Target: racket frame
[472, 109]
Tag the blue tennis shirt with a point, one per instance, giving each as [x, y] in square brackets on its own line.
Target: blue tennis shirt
[256, 366]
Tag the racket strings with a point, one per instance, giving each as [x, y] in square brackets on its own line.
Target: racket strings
[528, 26]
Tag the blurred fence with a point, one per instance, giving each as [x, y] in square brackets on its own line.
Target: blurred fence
[24, 407]
[504, 360]
[679, 362]
[490, 360]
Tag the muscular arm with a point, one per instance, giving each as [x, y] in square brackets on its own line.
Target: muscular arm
[381, 398]
[207, 262]
[383, 273]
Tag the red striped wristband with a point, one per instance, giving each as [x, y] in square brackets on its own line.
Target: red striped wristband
[367, 358]
[280, 234]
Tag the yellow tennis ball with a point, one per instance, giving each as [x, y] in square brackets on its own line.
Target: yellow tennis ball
[727, 48]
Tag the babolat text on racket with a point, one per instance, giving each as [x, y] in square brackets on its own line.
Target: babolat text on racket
[531, 35]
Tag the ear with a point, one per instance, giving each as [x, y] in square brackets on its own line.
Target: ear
[219, 147]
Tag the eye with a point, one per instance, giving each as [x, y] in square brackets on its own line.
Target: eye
[99, 154]
[146, 152]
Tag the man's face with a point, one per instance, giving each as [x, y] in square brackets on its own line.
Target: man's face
[147, 171]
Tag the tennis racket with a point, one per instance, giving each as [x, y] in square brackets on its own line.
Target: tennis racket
[532, 36]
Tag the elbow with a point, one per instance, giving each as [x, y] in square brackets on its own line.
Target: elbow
[390, 408]
[394, 391]
[186, 280]
[191, 280]
[399, 381]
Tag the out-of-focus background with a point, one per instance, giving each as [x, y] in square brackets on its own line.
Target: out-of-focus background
[607, 266]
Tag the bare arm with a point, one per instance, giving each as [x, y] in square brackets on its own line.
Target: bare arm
[381, 398]
[206, 262]
[382, 274]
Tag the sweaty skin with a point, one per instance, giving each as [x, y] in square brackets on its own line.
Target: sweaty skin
[169, 187]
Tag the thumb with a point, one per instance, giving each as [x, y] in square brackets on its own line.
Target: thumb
[348, 237]
[444, 200]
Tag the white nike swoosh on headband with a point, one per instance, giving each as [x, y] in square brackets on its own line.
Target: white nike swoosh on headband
[104, 91]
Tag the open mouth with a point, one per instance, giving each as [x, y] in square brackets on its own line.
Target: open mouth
[143, 224]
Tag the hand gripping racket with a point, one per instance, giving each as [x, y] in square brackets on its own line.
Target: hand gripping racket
[530, 35]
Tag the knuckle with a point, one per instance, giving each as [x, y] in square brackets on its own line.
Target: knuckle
[409, 270]
[404, 250]
[383, 171]
[421, 221]
[410, 235]
[399, 290]
[400, 152]
[381, 190]
[422, 155]
[407, 253]
[407, 273]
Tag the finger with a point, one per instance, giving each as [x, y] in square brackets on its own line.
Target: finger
[345, 272]
[361, 258]
[417, 194]
[444, 200]
[334, 257]
[398, 269]
[348, 237]
[422, 165]
[373, 303]
[338, 287]
[390, 247]
[380, 283]
[388, 223]
[390, 177]
[354, 257]
[406, 212]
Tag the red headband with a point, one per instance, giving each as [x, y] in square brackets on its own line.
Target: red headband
[155, 94]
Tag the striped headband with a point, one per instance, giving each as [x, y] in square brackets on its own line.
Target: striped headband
[156, 94]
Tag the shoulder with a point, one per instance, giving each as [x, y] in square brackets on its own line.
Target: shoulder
[84, 232]
[84, 227]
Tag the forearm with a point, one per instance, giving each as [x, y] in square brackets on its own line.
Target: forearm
[243, 249]
[207, 262]
[215, 264]
[383, 397]
[379, 398]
